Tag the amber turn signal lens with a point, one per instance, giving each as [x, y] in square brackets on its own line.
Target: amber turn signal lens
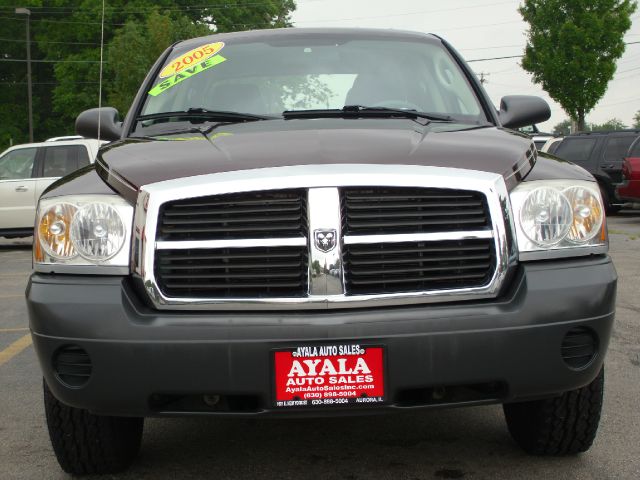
[54, 230]
[588, 214]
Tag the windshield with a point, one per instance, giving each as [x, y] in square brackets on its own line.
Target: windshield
[312, 74]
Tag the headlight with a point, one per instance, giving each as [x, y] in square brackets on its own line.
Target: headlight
[588, 214]
[77, 232]
[54, 231]
[545, 216]
[97, 232]
[557, 218]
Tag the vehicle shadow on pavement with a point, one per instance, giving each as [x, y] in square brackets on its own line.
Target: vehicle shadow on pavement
[16, 243]
[430, 444]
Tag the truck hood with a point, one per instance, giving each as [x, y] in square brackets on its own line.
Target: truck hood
[134, 162]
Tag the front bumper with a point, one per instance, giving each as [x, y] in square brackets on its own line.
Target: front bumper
[146, 362]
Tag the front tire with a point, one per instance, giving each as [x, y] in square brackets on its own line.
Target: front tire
[91, 444]
[564, 425]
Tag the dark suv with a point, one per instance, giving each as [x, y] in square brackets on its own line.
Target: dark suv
[601, 154]
[318, 222]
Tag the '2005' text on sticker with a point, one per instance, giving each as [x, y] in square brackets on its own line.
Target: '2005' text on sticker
[191, 58]
[187, 65]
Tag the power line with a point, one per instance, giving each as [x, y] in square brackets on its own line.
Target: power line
[489, 48]
[46, 83]
[493, 58]
[629, 70]
[301, 22]
[48, 61]
[619, 102]
[421, 12]
[520, 56]
[60, 21]
[186, 8]
[67, 22]
[66, 10]
[46, 41]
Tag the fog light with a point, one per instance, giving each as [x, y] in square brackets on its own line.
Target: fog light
[72, 366]
[579, 347]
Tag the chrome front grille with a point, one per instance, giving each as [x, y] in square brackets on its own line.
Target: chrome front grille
[246, 240]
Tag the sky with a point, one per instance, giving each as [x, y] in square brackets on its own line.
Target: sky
[481, 29]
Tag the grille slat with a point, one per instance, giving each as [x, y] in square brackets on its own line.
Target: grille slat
[428, 247]
[392, 210]
[365, 206]
[267, 214]
[404, 224]
[244, 220]
[215, 286]
[376, 261]
[230, 266]
[259, 272]
[423, 213]
[251, 198]
[194, 211]
[224, 232]
[228, 275]
[200, 255]
[386, 271]
[390, 196]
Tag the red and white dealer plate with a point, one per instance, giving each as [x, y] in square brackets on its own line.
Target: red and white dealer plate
[321, 375]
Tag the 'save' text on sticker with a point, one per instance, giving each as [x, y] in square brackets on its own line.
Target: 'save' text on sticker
[187, 65]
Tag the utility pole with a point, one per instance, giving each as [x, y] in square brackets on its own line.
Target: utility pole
[483, 79]
[27, 12]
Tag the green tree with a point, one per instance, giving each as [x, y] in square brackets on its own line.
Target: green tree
[562, 128]
[572, 48]
[636, 120]
[136, 46]
[612, 124]
[65, 48]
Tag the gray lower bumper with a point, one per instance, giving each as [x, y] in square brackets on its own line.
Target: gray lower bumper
[139, 354]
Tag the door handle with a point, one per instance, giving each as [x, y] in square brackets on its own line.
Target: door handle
[22, 188]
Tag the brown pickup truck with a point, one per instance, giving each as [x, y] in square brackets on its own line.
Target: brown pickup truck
[318, 222]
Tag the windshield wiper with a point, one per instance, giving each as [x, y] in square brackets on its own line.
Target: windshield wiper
[204, 115]
[354, 111]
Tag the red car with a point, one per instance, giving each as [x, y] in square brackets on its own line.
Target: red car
[629, 189]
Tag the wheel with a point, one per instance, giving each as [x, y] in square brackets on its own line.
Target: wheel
[90, 444]
[564, 425]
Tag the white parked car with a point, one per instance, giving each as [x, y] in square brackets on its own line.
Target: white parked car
[539, 139]
[551, 145]
[27, 170]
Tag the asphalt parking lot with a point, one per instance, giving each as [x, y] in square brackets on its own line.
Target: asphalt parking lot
[470, 443]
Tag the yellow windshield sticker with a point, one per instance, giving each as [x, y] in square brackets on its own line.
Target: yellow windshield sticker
[173, 80]
[191, 58]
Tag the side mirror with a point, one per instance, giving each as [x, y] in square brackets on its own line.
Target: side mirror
[521, 110]
[103, 123]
